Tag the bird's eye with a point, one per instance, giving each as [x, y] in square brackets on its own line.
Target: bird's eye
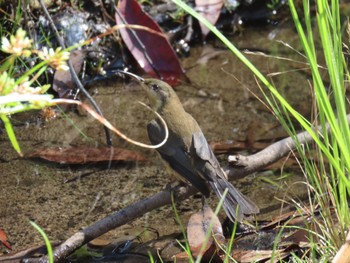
[155, 87]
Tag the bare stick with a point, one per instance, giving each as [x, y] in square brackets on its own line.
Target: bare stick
[117, 219]
[241, 165]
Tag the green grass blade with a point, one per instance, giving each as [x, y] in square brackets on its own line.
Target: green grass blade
[47, 241]
[11, 134]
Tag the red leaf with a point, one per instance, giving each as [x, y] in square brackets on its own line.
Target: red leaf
[83, 155]
[163, 62]
[4, 240]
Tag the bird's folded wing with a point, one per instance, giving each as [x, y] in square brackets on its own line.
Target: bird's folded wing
[173, 153]
[209, 165]
[204, 152]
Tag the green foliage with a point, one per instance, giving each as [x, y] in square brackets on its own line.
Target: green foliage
[18, 95]
[273, 4]
[327, 175]
[85, 254]
[330, 182]
[185, 247]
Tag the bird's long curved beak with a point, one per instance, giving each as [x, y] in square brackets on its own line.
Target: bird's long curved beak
[131, 75]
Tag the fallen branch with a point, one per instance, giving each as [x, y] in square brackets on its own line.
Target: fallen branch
[117, 219]
[241, 165]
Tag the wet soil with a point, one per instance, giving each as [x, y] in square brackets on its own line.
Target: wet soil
[220, 97]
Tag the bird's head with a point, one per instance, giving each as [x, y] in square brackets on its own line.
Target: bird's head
[159, 93]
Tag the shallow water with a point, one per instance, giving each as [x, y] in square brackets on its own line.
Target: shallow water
[220, 97]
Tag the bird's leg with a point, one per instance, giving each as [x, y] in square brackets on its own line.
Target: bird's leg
[204, 201]
[170, 186]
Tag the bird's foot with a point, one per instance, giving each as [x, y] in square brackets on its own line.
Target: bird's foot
[171, 186]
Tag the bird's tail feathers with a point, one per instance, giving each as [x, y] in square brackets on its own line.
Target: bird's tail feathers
[236, 205]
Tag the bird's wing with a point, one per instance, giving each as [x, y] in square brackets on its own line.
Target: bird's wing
[174, 154]
[206, 163]
[204, 152]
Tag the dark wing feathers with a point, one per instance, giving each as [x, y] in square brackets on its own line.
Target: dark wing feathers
[176, 158]
[207, 163]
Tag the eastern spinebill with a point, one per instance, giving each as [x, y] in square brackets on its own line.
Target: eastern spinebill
[187, 152]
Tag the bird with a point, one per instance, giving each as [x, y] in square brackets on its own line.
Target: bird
[187, 152]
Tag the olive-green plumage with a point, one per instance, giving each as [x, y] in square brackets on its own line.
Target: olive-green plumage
[187, 152]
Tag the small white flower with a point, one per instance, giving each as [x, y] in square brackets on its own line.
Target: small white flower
[56, 59]
[17, 45]
[7, 84]
[102, 71]
[25, 88]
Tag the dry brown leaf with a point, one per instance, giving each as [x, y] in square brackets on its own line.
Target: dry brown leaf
[210, 9]
[343, 255]
[197, 229]
[247, 256]
[236, 146]
[63, 82]
[27, 253]
[293, 218]
[227, 146]
[181, 257]
[81, 155]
